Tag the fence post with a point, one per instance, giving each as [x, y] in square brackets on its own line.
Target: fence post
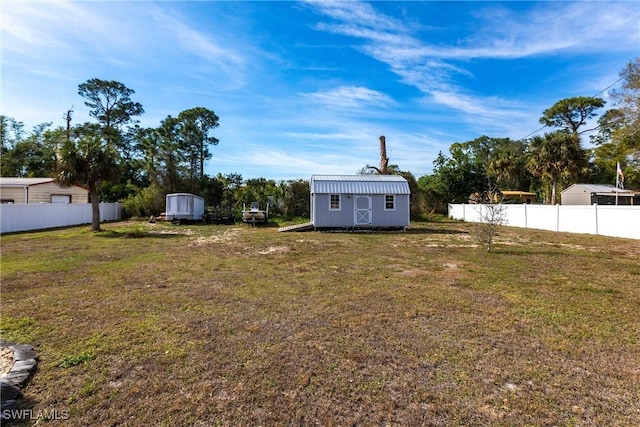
[557, 217]
[595, 210]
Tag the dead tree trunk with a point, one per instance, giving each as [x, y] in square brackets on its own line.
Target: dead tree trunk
[384, 160]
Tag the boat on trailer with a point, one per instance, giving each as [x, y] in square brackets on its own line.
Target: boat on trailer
[254, 215]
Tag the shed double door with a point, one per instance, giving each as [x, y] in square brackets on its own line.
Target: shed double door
[362, 211]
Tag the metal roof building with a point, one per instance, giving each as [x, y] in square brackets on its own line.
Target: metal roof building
[359, 201]
[601, 194]
[40, 190]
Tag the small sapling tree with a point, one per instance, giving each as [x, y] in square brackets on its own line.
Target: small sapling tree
[492, 214]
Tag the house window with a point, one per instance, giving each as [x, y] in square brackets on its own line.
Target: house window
[389, 202]
[60, 198]
[334, 202]
[7, 201]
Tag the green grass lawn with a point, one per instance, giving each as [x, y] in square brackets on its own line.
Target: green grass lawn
[156, 324]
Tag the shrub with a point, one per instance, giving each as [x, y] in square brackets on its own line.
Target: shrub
[145, 202]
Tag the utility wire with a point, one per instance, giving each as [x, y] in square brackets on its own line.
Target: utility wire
[612, 84]
[534, 132]
[544, 126]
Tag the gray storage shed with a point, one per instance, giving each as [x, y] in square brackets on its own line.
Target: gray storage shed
[359, 201]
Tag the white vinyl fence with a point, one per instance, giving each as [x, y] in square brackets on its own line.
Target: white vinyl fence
[606, 220]
[36, 216]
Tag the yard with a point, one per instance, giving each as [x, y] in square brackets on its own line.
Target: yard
[156, 324]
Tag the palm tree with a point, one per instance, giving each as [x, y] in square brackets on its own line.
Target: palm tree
[504, 166]
[556, 156]
[88, 159]
[507, 165]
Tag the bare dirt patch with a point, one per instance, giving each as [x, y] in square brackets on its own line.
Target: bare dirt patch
[275, 250]
[217, 237]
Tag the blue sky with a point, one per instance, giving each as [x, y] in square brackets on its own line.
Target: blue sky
[306, 88]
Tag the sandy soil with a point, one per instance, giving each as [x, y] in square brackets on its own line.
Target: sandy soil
[6, 360]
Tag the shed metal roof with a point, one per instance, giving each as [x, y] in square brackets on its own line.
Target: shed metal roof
[23, 182]
[594, 188]
[359, 184]
[8, 182]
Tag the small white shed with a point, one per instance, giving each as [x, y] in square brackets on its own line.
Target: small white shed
[359, 201]
[184, 206]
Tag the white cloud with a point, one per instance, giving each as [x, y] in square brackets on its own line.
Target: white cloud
[289, 164]
[96, 32]
[498, 33]
[350, 97]
[68, 28]
[549, 27]
[356, 12]
[197, 42]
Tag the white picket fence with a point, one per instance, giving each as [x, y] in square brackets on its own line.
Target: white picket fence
[36, 216]
[605, 220]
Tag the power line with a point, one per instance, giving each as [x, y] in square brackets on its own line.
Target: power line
[612, 84]
[535, 131]
[544, 126]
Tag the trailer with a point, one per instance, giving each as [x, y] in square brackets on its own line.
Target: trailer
[184, 207]
[220, 215]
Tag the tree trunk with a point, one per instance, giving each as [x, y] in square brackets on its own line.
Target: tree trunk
[384, 160]
[95, 207]
[201, 161]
